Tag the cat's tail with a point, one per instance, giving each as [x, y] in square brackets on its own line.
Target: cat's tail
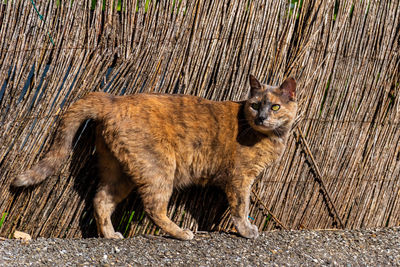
[90, 107]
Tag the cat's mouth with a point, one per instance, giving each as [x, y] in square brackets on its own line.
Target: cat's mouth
[265, 124]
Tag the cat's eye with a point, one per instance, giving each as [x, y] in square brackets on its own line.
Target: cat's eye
[275, 107]
[255, 106]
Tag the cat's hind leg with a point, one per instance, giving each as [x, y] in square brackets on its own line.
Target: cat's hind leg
[107, 198]
[113, 187]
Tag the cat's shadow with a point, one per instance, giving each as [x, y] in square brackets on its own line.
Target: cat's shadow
[205, 205]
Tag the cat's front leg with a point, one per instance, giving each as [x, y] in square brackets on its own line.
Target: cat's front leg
[238, 194]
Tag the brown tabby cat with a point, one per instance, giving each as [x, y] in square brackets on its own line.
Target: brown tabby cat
[158, 142]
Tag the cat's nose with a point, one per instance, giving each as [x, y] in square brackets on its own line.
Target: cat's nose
[260, 120]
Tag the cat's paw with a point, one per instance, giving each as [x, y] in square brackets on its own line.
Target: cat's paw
[115, 235]
[186, 235]
[118, 235]
[248, 231]
[255, 233]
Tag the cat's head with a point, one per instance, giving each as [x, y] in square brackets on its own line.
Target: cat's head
[271, 109]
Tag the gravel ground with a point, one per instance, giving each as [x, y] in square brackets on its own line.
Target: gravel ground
[372, 247]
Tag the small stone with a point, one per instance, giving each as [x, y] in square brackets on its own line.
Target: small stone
[22, 236]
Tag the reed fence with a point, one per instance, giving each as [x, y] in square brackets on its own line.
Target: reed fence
[341, 168]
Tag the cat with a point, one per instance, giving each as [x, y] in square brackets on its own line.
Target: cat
[158, 142]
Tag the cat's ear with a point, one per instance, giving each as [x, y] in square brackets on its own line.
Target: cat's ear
[288, 88]
[255, 86]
